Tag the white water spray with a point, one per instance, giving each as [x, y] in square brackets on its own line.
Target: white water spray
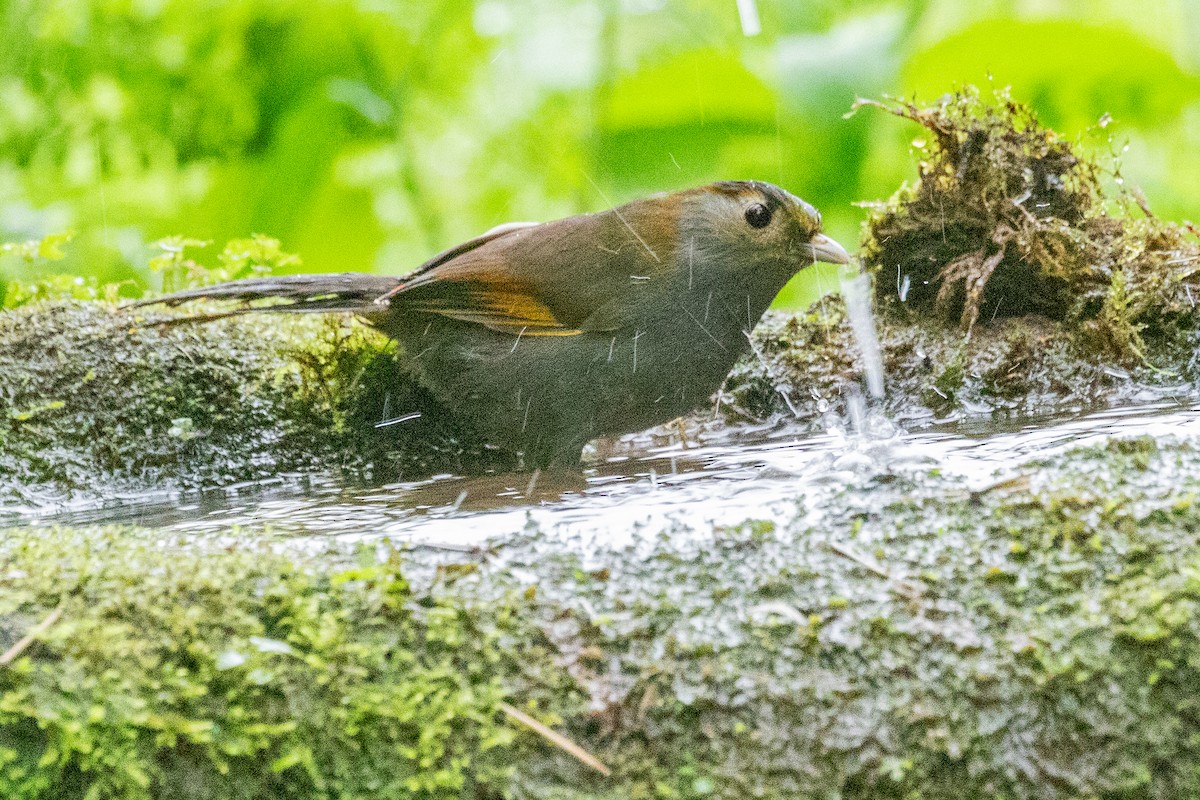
[856, 291]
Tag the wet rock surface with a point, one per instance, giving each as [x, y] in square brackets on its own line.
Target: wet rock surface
[904, 636]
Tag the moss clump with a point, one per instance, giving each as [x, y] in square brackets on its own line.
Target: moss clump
[190, 669]
[1007, 219]
[1055, 303]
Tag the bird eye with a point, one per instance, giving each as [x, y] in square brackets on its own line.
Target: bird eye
[758, 216]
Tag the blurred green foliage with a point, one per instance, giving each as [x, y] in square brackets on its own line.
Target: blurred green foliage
[366, 134]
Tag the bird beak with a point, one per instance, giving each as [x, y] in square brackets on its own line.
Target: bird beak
[822, 248]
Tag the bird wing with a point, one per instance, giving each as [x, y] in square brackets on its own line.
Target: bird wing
[552, 279]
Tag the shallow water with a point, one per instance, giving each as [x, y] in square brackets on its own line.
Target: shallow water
[724, 478]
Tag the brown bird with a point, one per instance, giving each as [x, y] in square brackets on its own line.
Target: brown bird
[545, 336]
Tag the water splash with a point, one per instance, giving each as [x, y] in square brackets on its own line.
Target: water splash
[856, 291]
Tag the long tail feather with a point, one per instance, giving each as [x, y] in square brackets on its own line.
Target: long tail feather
[344, 291]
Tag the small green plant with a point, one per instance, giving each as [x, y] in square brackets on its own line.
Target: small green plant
[49, 247]
[241, 258]
[173, 264]
[17, 292]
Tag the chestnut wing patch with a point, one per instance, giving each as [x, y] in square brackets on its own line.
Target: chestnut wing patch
[509, 309]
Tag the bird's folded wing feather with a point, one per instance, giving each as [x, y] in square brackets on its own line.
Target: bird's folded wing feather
[555, 279]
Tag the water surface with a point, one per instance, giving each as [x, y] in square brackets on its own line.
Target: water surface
[640, 489]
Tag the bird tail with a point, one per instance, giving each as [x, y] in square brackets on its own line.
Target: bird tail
[344, 291]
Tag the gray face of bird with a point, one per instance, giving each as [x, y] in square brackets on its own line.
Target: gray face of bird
[749, 238]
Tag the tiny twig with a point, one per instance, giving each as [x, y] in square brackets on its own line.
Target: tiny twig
[397, 420]
[846, 552]
[1011, 484]
[533, 482]
[681, 429]
[456, 548]
[1140, 198]
[11, 654]
[904, 586]
[555, 738]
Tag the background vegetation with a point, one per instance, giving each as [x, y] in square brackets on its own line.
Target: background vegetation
[366, 134]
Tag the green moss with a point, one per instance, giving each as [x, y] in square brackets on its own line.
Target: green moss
[97, 399]
[1039, 639]
[949, 380]
[1007, 219]
[1035, 641]
[231, 671]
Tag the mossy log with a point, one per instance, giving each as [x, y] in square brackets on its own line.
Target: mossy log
[904, 638]
[180, 669]
[1004, 284]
